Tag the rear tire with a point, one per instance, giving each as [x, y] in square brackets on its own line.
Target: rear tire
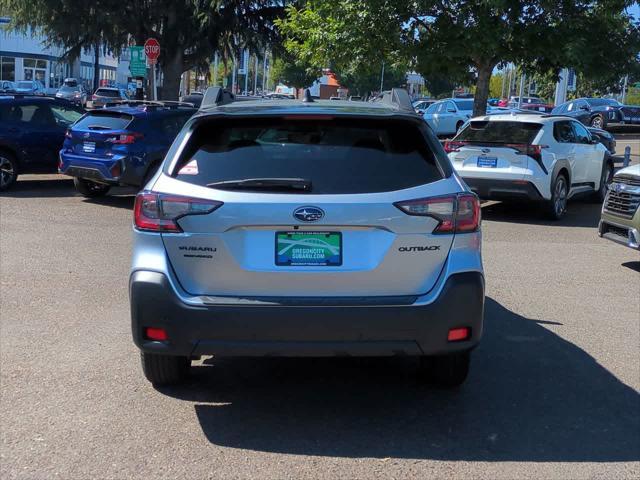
[605, 179]
[164, 369]
[90, 189]
[557, 206]
[446, 370]
[8, 170]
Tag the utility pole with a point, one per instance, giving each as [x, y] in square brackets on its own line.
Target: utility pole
[382, 78]
[624, 89]
[255, 76]
[264, 73]
[522, 78]
[215, 69]
[504, 78]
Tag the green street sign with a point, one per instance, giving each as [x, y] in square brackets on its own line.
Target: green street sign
[138, 62]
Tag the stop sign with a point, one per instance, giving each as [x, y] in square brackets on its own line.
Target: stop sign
[152, 50]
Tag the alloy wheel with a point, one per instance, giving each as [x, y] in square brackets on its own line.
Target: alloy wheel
[560, 201]
[596, 122]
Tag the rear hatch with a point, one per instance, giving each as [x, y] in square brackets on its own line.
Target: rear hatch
[98, 132]
[489, 148]
[308, 208]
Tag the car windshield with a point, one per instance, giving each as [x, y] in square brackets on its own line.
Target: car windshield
[335, 156]
[491, 132]
[464, 104]
[598, 102]
[105, 92]
[25, 85]
[66, 89]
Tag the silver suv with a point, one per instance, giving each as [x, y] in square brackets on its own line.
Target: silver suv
[306, 228]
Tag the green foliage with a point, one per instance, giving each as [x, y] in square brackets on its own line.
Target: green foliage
[463, 40]
[189, 31]
[286, 70]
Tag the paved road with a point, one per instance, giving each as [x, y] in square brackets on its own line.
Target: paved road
[553, 392]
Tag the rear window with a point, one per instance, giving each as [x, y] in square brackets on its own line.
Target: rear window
[464, 104]
[337, 156]
[108, 93]
[25, 85]
[499, 132]
[104, 121]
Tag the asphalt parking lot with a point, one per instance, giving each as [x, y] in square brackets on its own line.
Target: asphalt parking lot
[553, 391]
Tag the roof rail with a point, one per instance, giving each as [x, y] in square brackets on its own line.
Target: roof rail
[398, 98]
[215, 96]
[148, 103]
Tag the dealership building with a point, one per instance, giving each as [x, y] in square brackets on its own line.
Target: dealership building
[24, 56]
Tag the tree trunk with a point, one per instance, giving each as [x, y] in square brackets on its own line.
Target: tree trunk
[482, 88]
[172, 70]
[96, 67]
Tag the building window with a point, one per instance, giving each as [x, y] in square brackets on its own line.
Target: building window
[8, 69]
[33, 63]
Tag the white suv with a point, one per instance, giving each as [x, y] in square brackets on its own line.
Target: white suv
[533, 157]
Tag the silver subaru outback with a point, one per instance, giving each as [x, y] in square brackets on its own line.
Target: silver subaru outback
[306, 228]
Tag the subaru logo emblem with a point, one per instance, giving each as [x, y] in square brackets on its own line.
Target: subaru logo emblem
[308, 214]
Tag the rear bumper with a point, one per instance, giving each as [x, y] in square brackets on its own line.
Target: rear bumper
[228, 328]
[101, 169]
[490, 189]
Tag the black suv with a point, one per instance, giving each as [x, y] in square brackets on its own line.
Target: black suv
[32, 131]
[599, 112]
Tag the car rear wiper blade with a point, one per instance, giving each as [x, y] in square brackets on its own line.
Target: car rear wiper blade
[296, 184]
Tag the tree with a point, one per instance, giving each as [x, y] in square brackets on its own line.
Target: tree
[285, 69]
[464, 40]
[189, 31]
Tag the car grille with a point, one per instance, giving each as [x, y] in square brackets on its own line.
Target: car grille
[628, 180]
[622, 203]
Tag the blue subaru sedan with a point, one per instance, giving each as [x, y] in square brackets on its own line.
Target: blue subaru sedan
[120, 145]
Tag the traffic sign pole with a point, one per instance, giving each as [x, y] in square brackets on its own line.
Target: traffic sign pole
[152, 51]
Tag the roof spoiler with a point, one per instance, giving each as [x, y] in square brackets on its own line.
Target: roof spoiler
[397, 98]
[215, 96]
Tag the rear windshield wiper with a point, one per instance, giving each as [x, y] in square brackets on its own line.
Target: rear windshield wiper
[296, 184]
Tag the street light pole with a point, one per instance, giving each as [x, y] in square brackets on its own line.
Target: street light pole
[522, 78]
[382, 78]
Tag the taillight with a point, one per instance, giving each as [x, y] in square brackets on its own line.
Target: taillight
[455, 213]
[125, 138]
[159, 212]
[453, 145]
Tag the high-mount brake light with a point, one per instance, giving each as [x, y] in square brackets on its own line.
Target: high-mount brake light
[455, 213]
[159, 212]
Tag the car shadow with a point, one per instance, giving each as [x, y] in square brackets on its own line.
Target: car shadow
[580, 213]
[118, 198]
[635, 266]
[531, 396]
[41, 188]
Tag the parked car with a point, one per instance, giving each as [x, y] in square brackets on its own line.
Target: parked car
[421, 106]
[7, 87]
[620, 218]
[605, 138]
[104, 95]
[30, 87]
[121, 145]
[194, 98]
[32, 131]
[599, 112]
[447, 116]
[75, 94]
[531, 157]
[270, 231]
